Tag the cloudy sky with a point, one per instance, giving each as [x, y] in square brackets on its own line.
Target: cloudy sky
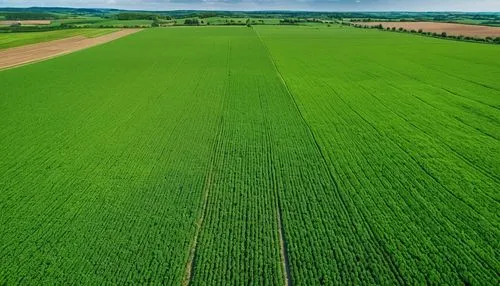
[329, 5]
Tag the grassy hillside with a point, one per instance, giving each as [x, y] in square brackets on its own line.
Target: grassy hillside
[237, 155]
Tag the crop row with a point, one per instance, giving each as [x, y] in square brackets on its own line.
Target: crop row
[422, 179]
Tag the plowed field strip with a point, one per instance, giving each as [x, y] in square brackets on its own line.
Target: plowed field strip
[37, 52]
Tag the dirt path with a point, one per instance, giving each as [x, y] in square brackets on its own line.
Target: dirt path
[449, 28]
[37, 52]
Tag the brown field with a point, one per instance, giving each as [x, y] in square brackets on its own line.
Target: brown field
[37, 52]
[27, 22]
[449, 28]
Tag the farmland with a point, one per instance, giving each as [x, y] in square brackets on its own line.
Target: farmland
[122, 23]
[37, 52]
[10, 40]
[266, 155]
[452, 29]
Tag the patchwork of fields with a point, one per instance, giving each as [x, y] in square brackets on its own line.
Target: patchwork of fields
[266, 155]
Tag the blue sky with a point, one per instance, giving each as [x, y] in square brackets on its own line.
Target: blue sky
[328, 5]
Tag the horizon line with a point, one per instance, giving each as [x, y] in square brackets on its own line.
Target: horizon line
[264, 10]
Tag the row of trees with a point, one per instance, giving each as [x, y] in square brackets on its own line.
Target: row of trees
[141, 16]
[192, 22]
[291, 21]
[16, 16]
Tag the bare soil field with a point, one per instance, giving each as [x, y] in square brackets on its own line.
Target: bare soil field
[36, 52]
[27, 22]
[449, 28]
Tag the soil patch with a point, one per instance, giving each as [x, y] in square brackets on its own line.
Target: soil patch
[448, 28]
[27, 22]
[37, 52]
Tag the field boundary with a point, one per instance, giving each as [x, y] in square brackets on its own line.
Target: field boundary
[28, 54]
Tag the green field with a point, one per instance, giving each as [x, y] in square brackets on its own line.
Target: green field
[236, 156]
[77, 21]
[123, 23]
[10, 40]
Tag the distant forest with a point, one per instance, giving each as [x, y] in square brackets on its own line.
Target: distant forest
[41, 13]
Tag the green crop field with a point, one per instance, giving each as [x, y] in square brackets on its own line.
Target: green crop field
[10, 40]
[266, 155]
[80, 21]
[122, 23]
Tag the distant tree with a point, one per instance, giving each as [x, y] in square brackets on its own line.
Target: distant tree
[192, 22]
[290, 21]
[28, 16]
[497, 40]
[136, 16]
[208, 15]
[420, 31]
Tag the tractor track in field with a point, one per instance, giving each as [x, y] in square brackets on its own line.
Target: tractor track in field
[388, 258]
[188, 274]
[281, 231]
[193, 251]
[19, 56]
[283, 246]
